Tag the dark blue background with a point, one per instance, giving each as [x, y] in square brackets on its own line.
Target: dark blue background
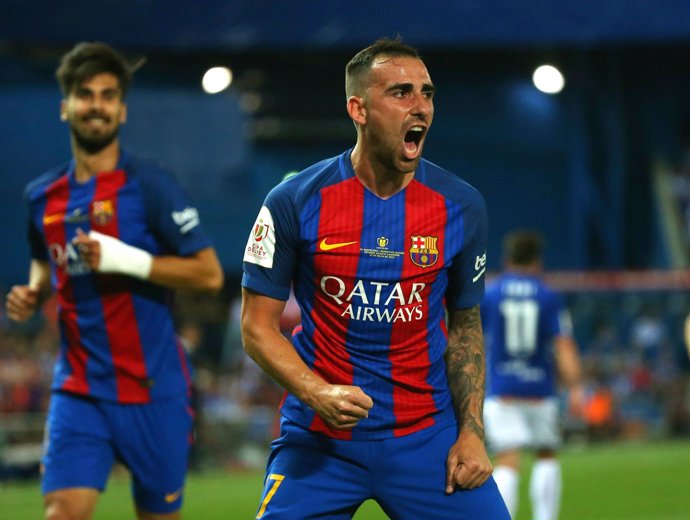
[577, 166]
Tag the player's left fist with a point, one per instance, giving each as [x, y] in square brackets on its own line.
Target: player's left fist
[468, 465]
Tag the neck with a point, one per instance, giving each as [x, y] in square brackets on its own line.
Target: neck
[88, 165]
[380, 179]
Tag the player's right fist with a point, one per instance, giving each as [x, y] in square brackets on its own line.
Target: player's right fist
[21, 302]
[342, 406]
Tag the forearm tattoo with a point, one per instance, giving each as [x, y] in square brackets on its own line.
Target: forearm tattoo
[466, 367]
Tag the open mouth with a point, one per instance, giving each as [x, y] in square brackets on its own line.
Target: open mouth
[413, 137]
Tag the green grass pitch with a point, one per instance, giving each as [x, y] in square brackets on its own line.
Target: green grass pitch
[627, 481]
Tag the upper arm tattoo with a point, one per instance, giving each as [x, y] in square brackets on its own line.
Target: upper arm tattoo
[466, 368]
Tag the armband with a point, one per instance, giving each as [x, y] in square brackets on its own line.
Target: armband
[118, 257]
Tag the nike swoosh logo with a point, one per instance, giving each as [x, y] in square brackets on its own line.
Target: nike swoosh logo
[55, 217]
[325, 246]
[171, 497]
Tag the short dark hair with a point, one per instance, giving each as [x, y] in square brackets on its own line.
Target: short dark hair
[522, 247]
[86, 60]
[361, 63]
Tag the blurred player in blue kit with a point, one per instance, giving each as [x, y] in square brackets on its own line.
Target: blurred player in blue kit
[529, 343]
[113, 235]
[384, 376]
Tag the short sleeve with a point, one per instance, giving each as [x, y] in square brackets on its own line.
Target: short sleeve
[561, 321]
[271, 252]
[171, 215]
[467, 269]
[36, 242]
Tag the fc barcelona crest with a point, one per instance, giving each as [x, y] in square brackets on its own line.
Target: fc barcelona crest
[102, 212]
[423, 251]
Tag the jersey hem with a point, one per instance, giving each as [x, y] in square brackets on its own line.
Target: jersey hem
[441, 419]
[110, 399]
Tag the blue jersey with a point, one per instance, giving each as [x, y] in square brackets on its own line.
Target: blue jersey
[372, 278]
[117, 335]
[521, 317]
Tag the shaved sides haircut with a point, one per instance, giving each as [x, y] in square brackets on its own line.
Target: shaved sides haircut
[357, 69]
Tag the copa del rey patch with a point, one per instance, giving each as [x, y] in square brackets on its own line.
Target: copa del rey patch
[261, 244]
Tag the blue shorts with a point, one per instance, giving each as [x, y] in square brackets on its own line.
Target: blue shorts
[312, 476]
[84, 438]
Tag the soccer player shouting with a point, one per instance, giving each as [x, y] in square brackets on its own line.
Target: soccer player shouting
[385, 375]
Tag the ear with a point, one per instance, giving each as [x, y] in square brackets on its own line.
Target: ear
[123, 114]
[357, 110]
[63, 110]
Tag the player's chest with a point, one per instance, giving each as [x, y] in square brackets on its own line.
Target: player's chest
[376, 240]
[102, 206]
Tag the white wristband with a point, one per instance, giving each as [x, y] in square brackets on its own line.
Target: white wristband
[118, 257]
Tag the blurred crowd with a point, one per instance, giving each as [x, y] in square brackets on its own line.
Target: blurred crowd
[636, 366]
[637, 373]
[27, 353]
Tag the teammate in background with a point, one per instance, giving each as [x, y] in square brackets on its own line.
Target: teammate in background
[113, 235]
[384, 396]
[528, 343]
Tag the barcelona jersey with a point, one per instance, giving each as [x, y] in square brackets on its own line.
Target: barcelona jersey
[373, 278]
[521, 316]
[118, 340]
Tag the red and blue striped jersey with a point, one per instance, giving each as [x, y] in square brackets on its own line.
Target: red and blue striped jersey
[117, 338]
[372, 278]
[522, 316]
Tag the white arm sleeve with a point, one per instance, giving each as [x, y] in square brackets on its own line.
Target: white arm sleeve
[118, 257]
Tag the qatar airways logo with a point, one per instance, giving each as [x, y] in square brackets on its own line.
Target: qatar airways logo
[67, 257]
[375, 301]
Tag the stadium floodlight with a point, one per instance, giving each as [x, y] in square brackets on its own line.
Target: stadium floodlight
[548, 79]
[216, 79]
